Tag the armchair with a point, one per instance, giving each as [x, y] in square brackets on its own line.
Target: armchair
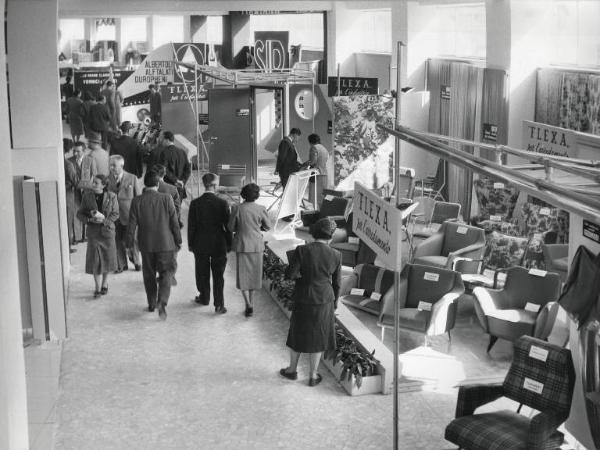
[497, 203]
[354, 251]
[543, 225]
[527, 305]
[376, 283]
[542, 377]
[442, 211]
[450, 241]
[332, 206]
[427, 301]
[556, 258]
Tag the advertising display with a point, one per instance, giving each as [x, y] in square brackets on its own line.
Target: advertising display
[352, 86]
[271, 50]
[542, 138]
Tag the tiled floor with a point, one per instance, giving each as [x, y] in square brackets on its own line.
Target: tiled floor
[201, 381]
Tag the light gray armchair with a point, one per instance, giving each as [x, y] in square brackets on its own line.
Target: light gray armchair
[556, 257]
[450, 241]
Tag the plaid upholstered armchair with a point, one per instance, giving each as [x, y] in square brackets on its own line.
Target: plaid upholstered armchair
[450, 241]
[526, 305]
[541, 377]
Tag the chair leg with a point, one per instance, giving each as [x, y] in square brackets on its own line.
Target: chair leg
[449, 337]
[493, 340]
[382, 333]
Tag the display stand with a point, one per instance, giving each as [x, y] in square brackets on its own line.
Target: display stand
[290, 203]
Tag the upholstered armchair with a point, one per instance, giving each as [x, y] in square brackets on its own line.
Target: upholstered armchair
[427, 297]
[367, 288]
[543, 225]
[556, 258]
[354, 251]
[500, 253]
[452, 240]
[332, 206]
[541, 377]
[526, 305]
[497, 201]
[442, 211]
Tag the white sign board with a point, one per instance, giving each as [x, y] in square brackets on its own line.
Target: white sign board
[542, 138]
[377, 223]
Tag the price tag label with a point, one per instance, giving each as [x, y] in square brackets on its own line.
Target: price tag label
[537, 272]
[225, 166]
[489, 273]
[537, 236]
[356, 291]
[424, 306]
[501, 276]
[533, 386]
[329, 197]
[353, 240]
[462, 230]
[498, 185]
[545, 211]
[430, 276]
[538, 353]
[495, 218]
[375, 296]
[533, 307]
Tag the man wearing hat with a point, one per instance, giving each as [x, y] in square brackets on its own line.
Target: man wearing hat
[317, 269]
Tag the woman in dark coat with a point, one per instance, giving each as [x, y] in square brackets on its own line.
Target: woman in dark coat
[316, 267]
[75, 114]
[99, 210]
[248, 221]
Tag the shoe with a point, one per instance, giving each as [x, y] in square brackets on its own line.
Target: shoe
[104, 290]
[150, 308]
[97, 294]
[199, 300]
[162, 313]
[138, 267]
[118, 271]
[314, 381]
[249, 311]
[220, 310]
[289, 375]
[72, 250]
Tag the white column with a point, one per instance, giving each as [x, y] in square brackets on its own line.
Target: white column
[13, 391]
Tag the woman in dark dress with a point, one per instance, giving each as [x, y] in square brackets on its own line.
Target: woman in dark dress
[75, 114]
[316, 267]
[99, 210]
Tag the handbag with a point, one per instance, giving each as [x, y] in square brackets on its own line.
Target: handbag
[580, 292]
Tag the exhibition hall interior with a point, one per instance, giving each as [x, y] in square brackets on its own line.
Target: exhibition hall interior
[291, 225]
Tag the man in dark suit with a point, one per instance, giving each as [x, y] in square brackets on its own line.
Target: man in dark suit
[129, 148]
[77, 160]
[168, 189]
[155, 102]
[99, 121]
[209, 240]
[176, 163]
[159, 238]
[287, 156]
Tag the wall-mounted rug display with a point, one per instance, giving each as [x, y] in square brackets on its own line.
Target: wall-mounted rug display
[362, 151]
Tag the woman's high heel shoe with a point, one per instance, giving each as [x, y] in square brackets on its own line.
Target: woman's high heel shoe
[97, 294]
[104, 290]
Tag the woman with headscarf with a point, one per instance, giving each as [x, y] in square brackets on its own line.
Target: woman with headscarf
[316, 267]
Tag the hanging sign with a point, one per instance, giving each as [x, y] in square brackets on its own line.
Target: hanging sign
[591, 231]
[93, 80]
[542, 138]
[271, 50]
[352, 86]
[490, 132]
[377, 223]
[445, 92]
[179, 92]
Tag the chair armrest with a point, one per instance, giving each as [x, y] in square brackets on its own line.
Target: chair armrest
[430, 246]
[545, 320]
[490, 300]
[339, 235]
[542, 425]
[438, 322]
[473, 396]
[340, 221]
[349, 282]
[466, 265]
[470, 251]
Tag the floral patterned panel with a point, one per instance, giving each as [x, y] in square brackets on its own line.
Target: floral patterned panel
[580, 102]
[543, 224]
[510, 228]
[362, 151]
[495, 198]
[504, 251]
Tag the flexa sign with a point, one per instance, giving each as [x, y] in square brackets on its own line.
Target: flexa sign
[352, 86]
[542, 138]
[377, 223]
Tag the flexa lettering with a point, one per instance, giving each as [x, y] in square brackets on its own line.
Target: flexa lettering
[373, 211]
[546, 135]
[356, 84]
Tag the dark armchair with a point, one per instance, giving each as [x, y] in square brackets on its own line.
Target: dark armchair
[427, 299]
[541, 377]
[526, 305]
[450, 241]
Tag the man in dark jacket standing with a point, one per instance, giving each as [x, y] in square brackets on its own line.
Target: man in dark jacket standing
[176, 162]
[129, 148]
[287, 156]
[159, 239]
[99, 121]
[209, 240]
[155, 102]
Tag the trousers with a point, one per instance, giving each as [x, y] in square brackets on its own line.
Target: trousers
[205, 264]
[158, 289]
[122, 252]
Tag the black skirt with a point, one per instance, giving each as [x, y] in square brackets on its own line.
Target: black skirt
[312, 328]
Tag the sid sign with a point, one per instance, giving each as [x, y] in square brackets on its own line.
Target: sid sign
[377, 223]
[542, 138]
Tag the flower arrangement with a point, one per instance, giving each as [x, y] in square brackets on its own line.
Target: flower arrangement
[274, 271]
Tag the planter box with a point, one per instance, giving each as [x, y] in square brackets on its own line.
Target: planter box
[370, 385]
[273, 295]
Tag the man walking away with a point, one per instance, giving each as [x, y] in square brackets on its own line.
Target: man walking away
[153, 215]
[287, 156]
[176, 162]
[209, 240]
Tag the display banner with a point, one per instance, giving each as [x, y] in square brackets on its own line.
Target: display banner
[93, 80]
[352, 86]
[378, 224]
[542, 138]
[271, 50]
[179, 92]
